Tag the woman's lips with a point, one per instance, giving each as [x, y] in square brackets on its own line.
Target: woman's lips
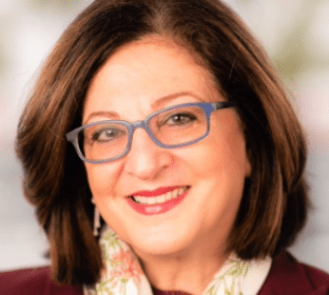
[148, 209]
[158, 192]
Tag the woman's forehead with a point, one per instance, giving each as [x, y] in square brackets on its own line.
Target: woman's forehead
[140, 74]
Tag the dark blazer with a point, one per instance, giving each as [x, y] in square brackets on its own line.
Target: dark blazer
[286, 277]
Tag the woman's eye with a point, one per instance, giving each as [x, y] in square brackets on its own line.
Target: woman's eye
[181, 119]
[107, 134]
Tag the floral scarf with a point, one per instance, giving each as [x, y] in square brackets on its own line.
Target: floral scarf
[123, 274]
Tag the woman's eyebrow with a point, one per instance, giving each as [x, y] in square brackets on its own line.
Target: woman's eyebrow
[109, 114]
[158, 104]
[161, 102]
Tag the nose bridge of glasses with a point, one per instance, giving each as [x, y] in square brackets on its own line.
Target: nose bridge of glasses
[143, 125]
[138, 124]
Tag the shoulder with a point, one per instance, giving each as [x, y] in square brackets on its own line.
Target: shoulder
[288, 276]
[33, 281]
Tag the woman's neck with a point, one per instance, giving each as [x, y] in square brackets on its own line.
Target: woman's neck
[188, 271]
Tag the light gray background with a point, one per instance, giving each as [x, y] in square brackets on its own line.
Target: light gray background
[296, 35]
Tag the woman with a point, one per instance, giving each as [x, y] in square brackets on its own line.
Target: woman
[185, 172]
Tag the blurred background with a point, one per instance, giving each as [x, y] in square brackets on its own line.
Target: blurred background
[295, 33]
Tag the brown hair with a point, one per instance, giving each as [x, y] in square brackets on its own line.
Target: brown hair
[275, 201]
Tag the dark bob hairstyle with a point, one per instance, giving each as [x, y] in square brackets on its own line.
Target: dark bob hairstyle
[275, 202]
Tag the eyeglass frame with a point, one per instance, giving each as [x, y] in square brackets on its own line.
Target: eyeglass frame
[207, 107]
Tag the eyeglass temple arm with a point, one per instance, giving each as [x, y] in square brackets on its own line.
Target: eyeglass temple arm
[225, 104]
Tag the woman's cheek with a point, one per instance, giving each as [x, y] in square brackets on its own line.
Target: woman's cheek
[102, 178]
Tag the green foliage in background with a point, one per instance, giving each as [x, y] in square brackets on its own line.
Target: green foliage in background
[295, 56]
[292, 57]
[64, 4]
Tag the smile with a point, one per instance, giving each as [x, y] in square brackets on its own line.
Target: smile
[160, 199]
[157, 202]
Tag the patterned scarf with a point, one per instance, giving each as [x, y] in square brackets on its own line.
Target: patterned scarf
[123, 274]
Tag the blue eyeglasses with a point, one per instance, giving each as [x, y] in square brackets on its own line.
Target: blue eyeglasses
[172, 127]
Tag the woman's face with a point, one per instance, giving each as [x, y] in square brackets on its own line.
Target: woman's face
[139, 79]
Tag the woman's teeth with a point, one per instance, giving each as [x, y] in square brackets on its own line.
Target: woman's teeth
[160, 199]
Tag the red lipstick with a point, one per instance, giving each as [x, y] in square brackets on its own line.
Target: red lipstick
[147, 209]
[158, 192]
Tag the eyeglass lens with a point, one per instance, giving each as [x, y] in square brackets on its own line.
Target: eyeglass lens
[105, 141]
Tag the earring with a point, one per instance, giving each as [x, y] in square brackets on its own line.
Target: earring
[97, 219]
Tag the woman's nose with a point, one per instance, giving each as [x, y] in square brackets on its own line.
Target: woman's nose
[146, 160]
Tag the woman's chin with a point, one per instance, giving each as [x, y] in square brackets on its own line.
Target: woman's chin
[159, 246]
